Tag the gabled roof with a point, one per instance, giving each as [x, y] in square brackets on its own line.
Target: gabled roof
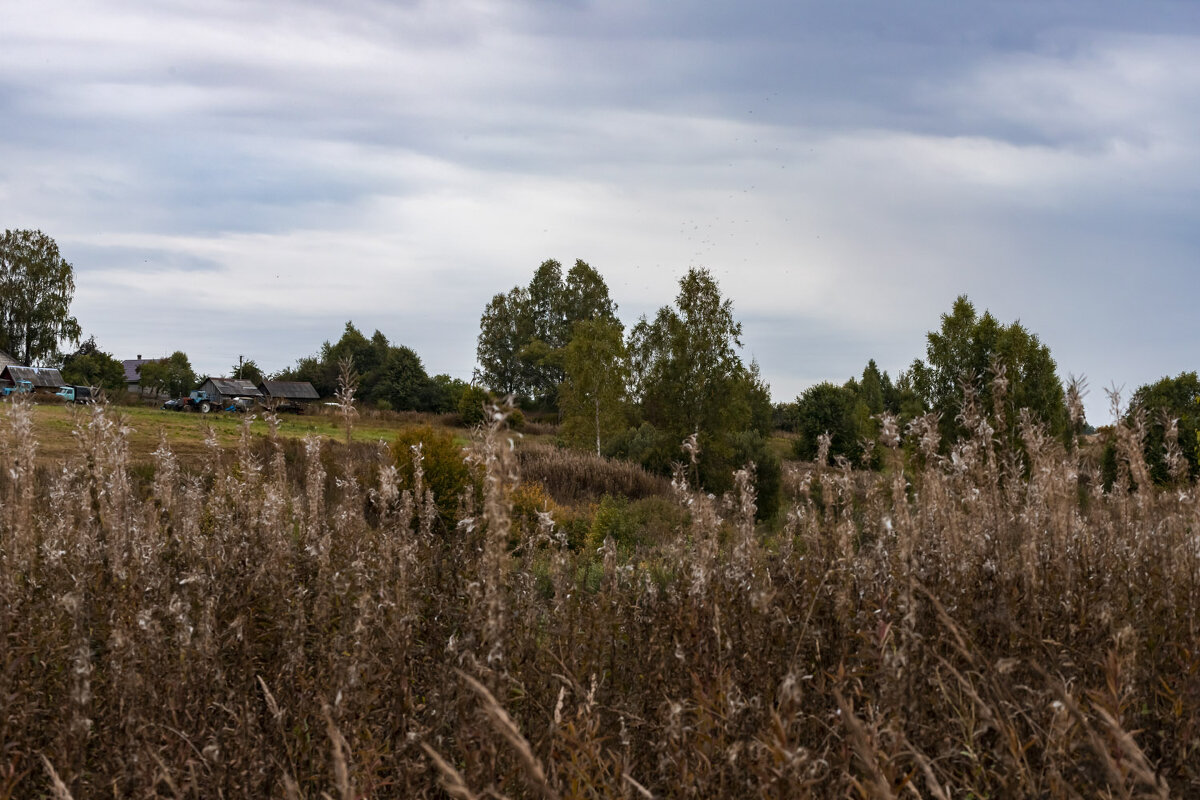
[235, 387]
[133, 367]
[38, 376]
[6, 360]
[289, 390]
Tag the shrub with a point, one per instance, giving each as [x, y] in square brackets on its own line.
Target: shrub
[445, 472]
[471, 405]
[750, 446]
[529, 499]
[612, 520]
[645, 445]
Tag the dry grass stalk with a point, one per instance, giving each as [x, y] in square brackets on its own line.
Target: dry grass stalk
[981, 618]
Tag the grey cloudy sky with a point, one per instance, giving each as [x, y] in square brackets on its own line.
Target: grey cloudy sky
[242, 177]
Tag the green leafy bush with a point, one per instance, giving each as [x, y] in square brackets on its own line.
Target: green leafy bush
[471, 405]
[445, 472]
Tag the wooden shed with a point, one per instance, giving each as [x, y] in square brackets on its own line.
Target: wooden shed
[6, 360]
[290, 391]
[230, 388]
[45, 380]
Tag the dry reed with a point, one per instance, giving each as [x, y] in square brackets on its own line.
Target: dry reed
[279, 621]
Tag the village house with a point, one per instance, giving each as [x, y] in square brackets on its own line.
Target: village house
[229, 389]
[6, 360]
[45, 380]
[289, 391]
[133, 373]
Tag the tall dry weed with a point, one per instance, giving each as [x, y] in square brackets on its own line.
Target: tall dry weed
[282, 619]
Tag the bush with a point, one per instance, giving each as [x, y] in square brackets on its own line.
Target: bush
[446, 474]
[471, 406]
[750, 446]
[645, 445]
[612, 519]
[528, 500]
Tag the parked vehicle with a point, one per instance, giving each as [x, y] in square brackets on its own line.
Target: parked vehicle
[240, 405]
[175, 404]
[199, 400]
[76, 394]
[21, 387]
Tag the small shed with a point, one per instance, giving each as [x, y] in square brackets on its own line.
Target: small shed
[230, 388]
[45, 380]
[289, 391]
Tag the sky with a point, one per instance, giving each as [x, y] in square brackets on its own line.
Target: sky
[241, 177]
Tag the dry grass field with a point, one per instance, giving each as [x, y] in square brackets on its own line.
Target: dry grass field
[230, 614]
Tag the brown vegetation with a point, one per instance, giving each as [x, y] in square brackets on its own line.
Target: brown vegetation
[286, 621]
[577, 476]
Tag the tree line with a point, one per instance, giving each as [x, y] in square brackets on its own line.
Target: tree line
[557, 346]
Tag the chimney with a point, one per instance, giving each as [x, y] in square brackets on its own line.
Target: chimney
[139, 356]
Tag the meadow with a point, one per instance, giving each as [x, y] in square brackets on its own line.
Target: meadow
[256, 609]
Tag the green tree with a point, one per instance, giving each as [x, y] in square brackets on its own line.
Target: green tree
[445, 471]
[248, 371]
[504, 331]
[593, 394]
[402, 383]
[90, 366]
[172, 375]
[36, 288]
[1169, 399]
[585, 296]
[450, 391]
[870, 388]
[471, 405]
[546, 298]
[687, 374]
[523, 333]
[966, 349]
[825, 408]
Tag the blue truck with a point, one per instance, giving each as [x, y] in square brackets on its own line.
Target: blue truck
[21, 387]
[76, 394]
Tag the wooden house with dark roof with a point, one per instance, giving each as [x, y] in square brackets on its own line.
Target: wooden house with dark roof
[7, 360]
[45, 380]
[292, 391]
[133, 372]
[231, 388]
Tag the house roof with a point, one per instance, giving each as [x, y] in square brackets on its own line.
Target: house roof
[6, 360]
[289, 390]
[133, 368]
[235, 387]
[38, 376]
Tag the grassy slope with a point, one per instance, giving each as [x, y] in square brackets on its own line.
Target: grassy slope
[186, 433]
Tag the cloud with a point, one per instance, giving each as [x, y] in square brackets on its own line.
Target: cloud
[846, 170]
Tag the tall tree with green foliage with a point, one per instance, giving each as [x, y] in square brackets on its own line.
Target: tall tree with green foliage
[966, 350]
[523, 333]
[36, 288]
[585, 296]
[687, 375]
[825, 409]
[390, 376]
[593, 394]
[504, 331]
[172, 375]
[90, 366]
[247, 370]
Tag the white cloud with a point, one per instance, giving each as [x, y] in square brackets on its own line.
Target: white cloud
[400, 162]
